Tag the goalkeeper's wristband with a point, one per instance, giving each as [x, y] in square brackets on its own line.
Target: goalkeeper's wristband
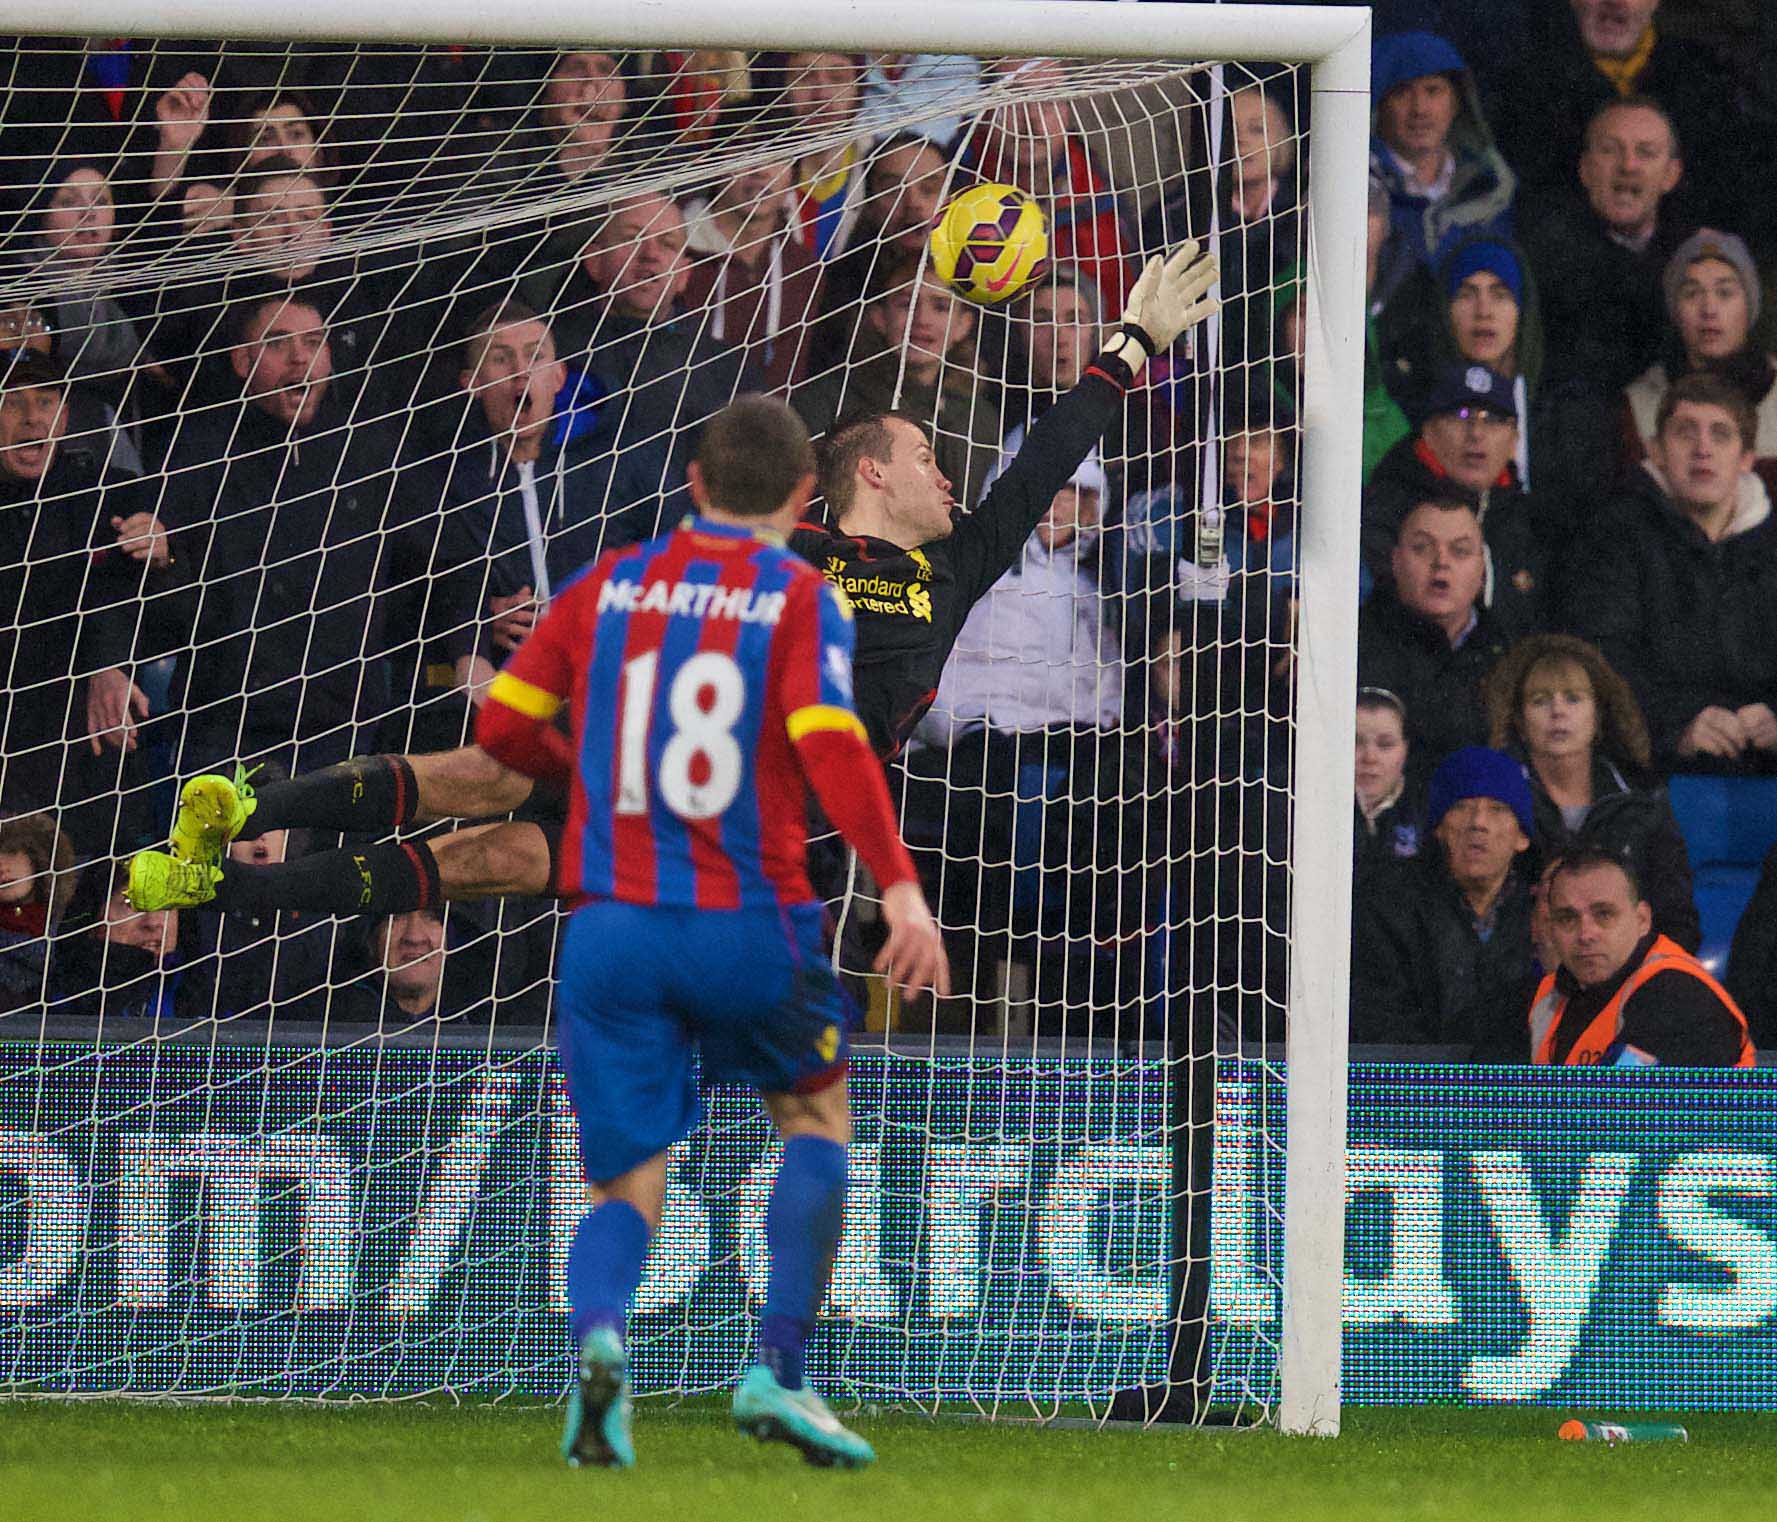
[1128, 329]
[1123, 355]
[1111, 365]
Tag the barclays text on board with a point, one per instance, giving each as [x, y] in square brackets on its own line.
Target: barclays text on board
[364, 1222]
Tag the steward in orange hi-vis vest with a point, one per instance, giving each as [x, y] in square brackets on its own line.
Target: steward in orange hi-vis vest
[1662, 1006]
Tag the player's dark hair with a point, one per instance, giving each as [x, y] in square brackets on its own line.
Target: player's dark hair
[753, 454]
[1704, 388]
[1583, 858]
[862, 436]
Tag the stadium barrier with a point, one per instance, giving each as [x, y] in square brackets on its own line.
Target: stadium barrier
[386, 1220]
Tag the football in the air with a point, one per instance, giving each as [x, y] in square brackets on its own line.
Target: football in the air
[989, 243]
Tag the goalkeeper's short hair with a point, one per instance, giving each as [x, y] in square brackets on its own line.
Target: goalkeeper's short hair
[861, 436]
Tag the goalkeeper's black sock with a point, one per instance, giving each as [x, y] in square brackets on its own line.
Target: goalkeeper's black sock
[368, 795]
[389, 879]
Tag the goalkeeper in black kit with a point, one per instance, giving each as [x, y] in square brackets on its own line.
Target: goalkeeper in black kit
[912, 564]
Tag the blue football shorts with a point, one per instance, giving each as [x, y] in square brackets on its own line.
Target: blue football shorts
[641, 990]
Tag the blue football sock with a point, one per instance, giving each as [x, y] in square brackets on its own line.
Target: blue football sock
[605, 1266]
[802, 1226]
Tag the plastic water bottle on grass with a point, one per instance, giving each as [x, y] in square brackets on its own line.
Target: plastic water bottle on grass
[1576, 1431]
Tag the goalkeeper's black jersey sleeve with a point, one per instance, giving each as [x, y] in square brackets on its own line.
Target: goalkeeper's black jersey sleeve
[911, 604]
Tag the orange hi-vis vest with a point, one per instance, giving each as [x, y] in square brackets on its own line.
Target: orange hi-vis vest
[1665, 955]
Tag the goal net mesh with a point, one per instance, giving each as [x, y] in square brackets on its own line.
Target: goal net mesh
[324, 366]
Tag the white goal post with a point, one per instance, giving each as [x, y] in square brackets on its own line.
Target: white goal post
[1334, 43]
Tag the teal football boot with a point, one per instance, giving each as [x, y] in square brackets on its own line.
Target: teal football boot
[764, 1409]
[597, 1428]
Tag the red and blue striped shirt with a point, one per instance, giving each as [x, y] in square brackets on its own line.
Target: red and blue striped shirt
[706, 676]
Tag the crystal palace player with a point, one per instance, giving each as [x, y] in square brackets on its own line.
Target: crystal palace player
[706, 677]
[896, 531]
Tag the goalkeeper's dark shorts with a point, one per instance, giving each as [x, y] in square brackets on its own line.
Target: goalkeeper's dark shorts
[547, 809]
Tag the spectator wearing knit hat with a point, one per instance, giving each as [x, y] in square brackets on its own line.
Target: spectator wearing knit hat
[1713, 298]
[1483, 308]
[1441, 942]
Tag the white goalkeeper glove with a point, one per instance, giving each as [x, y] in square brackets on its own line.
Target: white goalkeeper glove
[1171, 295]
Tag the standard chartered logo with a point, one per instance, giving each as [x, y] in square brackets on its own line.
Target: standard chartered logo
[884, 594]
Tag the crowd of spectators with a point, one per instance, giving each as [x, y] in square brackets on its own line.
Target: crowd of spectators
[297, 498]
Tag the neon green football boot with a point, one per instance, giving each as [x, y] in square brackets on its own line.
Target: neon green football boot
[162, 881]
[212, 811]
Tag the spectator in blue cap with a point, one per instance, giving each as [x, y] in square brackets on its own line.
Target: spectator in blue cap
[1433, 151]
[1465, 446]
[1442, 949]
[1470, 312]
[1566, 435]
[1480, 772]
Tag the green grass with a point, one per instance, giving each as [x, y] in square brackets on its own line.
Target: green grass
[118, 1462]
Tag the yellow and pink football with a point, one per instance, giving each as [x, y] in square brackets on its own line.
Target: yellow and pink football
[990, 243]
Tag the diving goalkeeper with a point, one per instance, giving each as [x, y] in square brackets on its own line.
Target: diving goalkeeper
[912, 565]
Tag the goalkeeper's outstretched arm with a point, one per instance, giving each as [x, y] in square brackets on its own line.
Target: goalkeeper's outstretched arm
[1173, 294]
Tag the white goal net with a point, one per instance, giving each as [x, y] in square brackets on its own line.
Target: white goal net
[324, 366]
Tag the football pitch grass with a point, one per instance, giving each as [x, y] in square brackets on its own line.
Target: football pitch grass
[116, 1462]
